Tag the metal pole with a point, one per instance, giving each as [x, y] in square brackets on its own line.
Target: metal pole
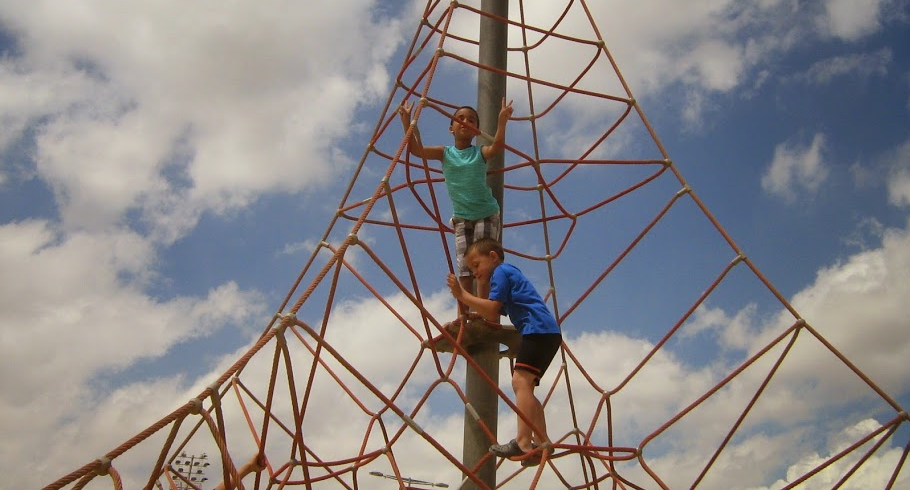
[491, 88]
[192, 468]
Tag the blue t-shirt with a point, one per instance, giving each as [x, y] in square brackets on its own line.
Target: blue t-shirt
[520, 301]
[465, 172]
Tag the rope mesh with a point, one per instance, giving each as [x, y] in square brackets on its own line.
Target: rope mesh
[585, 176]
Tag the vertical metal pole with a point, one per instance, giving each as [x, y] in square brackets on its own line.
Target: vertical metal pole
[491, 88]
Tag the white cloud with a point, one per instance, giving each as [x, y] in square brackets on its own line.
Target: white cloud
[735, 332]
[306, 246]
[796, 169]
[899, 175]
[664, 387]
[197, 107]
[76, 310]
[364, 332]
[858, 305]
[899, 188]
[169, 110]
[849, 20]
[866, 289]
[159, 113]
[873, 473]
[99, 168]
[859, 65]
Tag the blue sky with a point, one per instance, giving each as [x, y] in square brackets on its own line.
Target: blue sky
[168, 169]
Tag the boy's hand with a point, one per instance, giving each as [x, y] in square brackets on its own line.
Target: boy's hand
[506, 111]
[454, 286]
[405, 111]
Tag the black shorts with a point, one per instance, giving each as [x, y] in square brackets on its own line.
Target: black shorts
[536, 351]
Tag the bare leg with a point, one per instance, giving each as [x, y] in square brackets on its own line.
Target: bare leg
[528, 404]
[467, 283]
[483, 290]
[540, 421]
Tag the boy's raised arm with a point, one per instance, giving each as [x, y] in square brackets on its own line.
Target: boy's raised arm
[499, 139]
[414, 145]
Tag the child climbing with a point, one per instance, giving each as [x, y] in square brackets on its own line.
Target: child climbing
[464, 166]
[511, 293]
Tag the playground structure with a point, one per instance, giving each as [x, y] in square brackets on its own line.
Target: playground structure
[385, 244]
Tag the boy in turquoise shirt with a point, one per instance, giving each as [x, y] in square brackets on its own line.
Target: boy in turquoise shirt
[464, 165]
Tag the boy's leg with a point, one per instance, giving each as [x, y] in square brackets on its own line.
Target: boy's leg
[464, 231]
[535, 353]
[529, 406]
[488, 227]
[467, 283]
[539, 420]
[483, 290]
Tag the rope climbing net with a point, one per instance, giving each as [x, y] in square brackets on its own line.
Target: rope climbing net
[585, 178]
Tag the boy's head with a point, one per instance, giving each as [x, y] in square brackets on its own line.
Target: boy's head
[466, 117]
[483, 256]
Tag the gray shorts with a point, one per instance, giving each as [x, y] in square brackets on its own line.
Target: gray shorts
[468, 230]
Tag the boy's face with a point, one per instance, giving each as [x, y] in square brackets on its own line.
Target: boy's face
[482, 265]
[464, 123]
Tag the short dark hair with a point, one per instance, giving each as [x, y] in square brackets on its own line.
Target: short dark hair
[484, 246]
[476, 115]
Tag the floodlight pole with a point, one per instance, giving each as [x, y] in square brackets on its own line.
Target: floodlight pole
[491, 88]
[191, 467]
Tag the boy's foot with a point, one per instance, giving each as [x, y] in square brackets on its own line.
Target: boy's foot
[532, 459]
[468, 316]
[507, 450]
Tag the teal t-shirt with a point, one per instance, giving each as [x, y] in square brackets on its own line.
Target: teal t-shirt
[465, 172]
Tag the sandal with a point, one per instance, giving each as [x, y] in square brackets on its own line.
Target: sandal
[531, 461]
[507, 450]
[534, 457]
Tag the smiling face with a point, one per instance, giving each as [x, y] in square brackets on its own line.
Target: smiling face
[482, 264]
[464, 122]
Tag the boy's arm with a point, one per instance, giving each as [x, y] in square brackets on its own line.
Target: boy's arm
[499, 139]
[488, 308]
[414, 145]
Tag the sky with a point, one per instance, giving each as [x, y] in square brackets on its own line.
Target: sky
[167, 168]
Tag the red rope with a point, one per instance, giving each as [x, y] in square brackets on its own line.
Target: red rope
[415, 218]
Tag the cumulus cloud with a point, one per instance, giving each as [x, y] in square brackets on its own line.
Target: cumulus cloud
[857, 305]
[152, 114]
[78, 310]
[899, 188]
[783, 427]
[899, 175]
[874, 473]
[865, 289]
[849, 20]
[144, 108]
[335, 420]
[139, 119]
[796, 169]
[858, 65]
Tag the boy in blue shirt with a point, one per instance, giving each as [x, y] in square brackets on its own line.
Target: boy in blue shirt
[464, 166]
[511, 293]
